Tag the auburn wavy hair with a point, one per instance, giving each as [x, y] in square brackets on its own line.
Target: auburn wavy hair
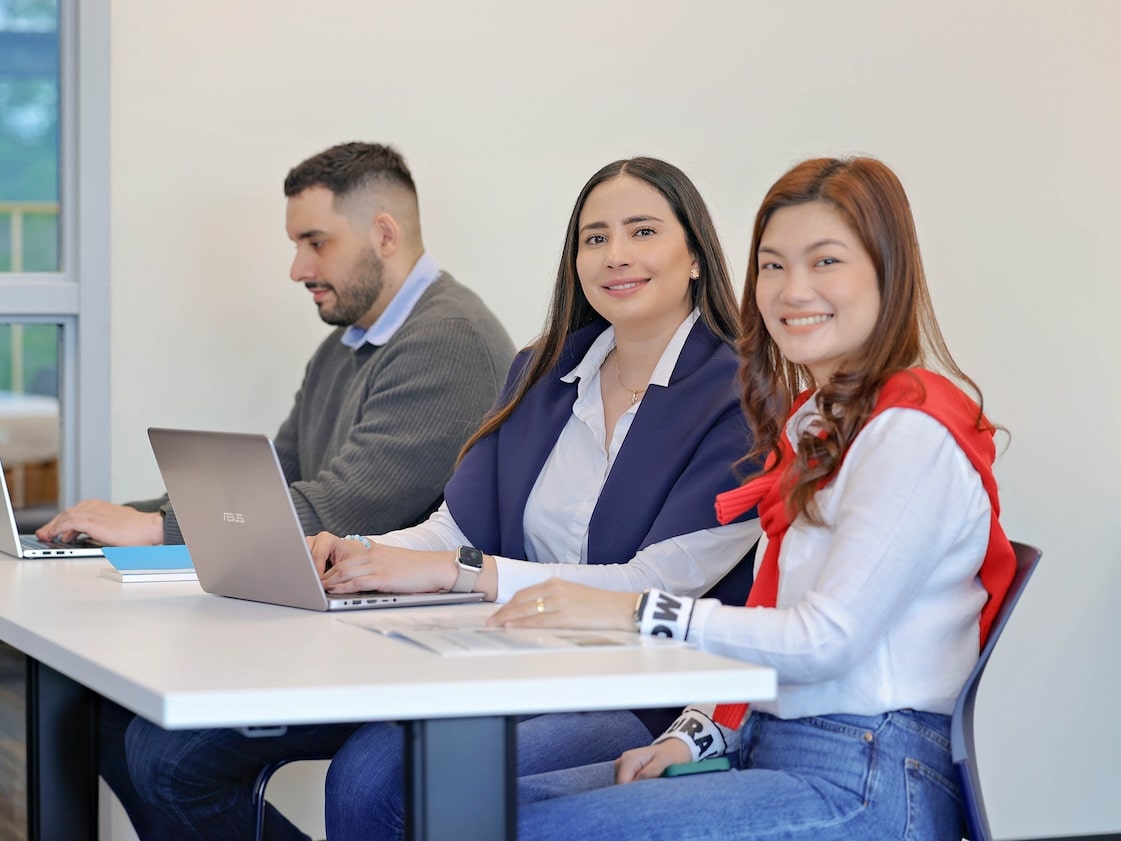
[870, 199]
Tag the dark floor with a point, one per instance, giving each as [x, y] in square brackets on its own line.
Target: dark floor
[13, 794]
[13, 724]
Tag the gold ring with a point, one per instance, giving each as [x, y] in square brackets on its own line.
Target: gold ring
[540, 605]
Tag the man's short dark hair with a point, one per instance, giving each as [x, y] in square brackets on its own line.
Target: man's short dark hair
[349, 167]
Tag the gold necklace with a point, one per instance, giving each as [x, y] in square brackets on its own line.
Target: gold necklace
[635, 392]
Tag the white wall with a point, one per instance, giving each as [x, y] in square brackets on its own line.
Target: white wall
[1002, 118]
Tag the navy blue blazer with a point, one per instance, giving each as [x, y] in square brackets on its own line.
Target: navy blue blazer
[678, 454]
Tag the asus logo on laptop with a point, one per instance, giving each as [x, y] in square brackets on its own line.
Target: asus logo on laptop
[233, 518]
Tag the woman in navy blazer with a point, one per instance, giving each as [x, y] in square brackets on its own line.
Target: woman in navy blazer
[643, 311]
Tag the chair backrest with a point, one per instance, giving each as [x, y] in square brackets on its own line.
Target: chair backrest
[961, 728]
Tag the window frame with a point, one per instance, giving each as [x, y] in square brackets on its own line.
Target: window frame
[77, 297]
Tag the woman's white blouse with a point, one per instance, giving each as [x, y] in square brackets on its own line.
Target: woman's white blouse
[559, 508]
[878, 609]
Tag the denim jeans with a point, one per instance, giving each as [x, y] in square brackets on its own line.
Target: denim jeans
[112, 722]
[194, 784]
[835, 778]
[365, 798]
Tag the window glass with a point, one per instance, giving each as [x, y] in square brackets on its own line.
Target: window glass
[29, 136]
[29, 244]
[29, 416]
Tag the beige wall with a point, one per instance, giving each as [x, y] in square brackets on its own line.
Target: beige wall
[1001, 117]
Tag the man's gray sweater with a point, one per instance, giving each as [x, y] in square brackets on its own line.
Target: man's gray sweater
[374, 432]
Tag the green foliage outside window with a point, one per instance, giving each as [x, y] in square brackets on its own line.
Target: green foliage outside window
[29, 179]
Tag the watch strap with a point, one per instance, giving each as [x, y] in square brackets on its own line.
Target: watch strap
[470, 563]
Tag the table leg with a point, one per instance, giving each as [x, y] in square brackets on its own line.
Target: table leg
[460, 779]
[61, 757]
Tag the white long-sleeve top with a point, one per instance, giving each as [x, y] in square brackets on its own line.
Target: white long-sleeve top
[559, 508]
[878, 610]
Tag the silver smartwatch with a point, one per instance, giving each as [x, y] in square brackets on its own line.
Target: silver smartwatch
[470, 562]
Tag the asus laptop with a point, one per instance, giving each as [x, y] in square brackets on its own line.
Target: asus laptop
[28, 545]
[239, 524]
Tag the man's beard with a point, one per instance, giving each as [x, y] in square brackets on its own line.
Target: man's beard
[359, 292]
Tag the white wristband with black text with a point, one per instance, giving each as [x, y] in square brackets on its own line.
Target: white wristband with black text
[699, 732]
[665, 615]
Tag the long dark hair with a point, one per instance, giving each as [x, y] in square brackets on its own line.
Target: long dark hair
[569, 310]
[870, 199]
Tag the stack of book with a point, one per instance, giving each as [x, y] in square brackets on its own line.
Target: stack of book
[148, 563]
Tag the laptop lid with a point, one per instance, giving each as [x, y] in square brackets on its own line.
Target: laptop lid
[28, 545]
[235, 510]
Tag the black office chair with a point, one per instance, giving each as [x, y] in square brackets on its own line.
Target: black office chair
[262, 783]
[961, 727]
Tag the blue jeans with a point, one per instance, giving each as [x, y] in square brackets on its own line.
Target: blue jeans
[835, 778]
[365, 798]
[195, 784]
[112, 722]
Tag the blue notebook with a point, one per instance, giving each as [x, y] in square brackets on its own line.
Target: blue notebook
[149, 563]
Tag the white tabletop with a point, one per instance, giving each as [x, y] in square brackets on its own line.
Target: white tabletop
[183, 658]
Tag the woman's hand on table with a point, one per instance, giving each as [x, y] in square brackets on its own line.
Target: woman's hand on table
[557, 603]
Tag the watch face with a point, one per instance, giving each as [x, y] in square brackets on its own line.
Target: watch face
[471, 557]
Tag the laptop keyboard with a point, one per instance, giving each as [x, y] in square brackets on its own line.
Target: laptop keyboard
[35, 543]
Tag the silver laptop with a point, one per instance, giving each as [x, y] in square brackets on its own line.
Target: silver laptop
[28, 545]
[245, 538]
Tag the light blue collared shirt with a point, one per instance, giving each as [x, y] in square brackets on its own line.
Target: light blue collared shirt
[422, 276]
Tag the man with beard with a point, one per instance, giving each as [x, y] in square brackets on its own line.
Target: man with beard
[389, 396]
[387, 399]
